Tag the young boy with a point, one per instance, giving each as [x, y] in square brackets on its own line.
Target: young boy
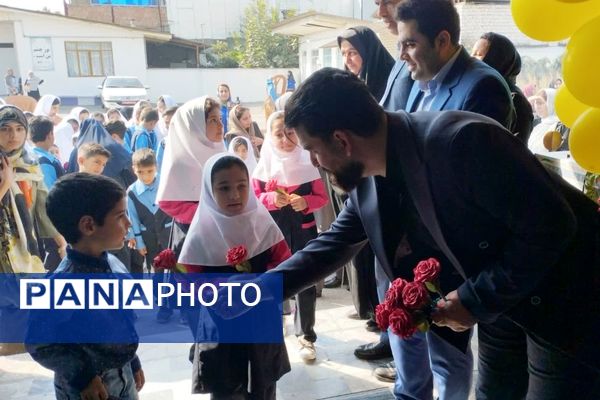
[150, 225]
[160, 150]
[145, 137]
[92, 225]
[41, 133]
[92, 158]
[117, 130]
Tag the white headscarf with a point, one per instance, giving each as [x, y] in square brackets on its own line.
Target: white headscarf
[63, 139]
[550, 100]
[185, 155]
[213, 233]
[161, 127]
[250, 160]
[547, 124]
[75, 113]
[289, 169]
[44, 105]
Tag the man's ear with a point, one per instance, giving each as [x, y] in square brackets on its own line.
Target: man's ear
[442, 40]
[342, 139]
[86, 225]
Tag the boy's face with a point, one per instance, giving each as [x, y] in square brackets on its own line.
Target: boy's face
[242, 152]
[145, 174]
[117, 138]
[92, 165]
[149, 125]
[83, 116]
[230, 190]
[214, 126]
[111, 234]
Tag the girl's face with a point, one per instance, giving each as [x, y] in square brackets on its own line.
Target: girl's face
[283, 140]
[223, 93]
[83, 116]
[214, 126]
[161, 107]
[54, 110]
[540, 107]
[230, 190]
[114, 116]
[246, 120]
[242, 152]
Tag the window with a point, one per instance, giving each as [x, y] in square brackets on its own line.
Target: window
[89, 58]
[327, 62]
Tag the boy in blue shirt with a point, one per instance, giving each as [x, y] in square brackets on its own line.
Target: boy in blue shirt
[41, 133]
[150, 225]
[92, 225]
[144, 137]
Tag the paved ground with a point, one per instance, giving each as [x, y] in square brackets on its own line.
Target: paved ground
[336, 371]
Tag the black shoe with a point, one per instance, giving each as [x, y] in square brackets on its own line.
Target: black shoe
[332, 283]
[371, 325]
[164, 315]
[386, 373]
[373, 351]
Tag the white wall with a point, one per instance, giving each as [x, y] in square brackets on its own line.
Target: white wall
[128, 48]
[218, 19]
[185, 84]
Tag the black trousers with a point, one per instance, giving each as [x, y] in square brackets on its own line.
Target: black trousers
[514, 364]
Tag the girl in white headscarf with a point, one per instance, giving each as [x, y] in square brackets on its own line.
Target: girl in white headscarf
[241, 146]
[241, 124]
[79, 114]
[230, 216]
[543, 107]
[195, 134]
[291, 188]
[49, 106]
[163, 103]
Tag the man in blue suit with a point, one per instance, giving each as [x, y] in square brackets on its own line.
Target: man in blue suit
[445, 78]
[451, 185]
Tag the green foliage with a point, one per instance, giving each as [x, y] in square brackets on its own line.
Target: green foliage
[542, 72]
[256, 46]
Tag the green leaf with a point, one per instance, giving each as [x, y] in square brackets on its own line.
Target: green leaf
[431, 287]
[423, 326]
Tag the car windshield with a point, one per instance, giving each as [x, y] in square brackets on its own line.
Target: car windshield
[123, 83]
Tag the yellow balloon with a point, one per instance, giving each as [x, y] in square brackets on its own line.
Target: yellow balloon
[568, 108]
[552, 21]
[584, 140]
[581, 64]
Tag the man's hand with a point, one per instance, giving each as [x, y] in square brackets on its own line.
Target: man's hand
[139, 379]
[95, 390]
[298, 203]
[281, 200]
[453, 314]
[131, 243]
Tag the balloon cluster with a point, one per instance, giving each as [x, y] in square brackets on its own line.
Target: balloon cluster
[578, 100]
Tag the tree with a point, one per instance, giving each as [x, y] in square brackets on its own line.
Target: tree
[256, 46]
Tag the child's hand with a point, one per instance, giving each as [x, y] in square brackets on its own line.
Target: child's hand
[131, 243]
[281, 200]
[95, 390]
[139, 379]
[143, 251]
[298, 203]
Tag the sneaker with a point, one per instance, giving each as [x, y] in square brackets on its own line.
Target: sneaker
[386, 373]
[307, 350]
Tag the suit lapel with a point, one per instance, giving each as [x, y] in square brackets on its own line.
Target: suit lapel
[414, 93]
[369, 210]
[450, 81]
[393, 75]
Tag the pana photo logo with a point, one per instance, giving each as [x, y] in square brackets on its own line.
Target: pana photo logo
[134, 294]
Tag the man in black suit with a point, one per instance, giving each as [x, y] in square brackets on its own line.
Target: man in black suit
[518, 246]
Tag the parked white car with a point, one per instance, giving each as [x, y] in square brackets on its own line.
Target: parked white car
[122, 91]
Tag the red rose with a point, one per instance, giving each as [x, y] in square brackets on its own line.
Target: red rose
[271, 186]
[237, 255]
[427, 270]
[382, 315]
[393, 296]
[415, 296]
[402, 324]
[165, 259]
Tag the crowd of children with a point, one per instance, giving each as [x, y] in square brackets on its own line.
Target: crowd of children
[148, 196]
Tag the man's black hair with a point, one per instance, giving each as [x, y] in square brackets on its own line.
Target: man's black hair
[432, 17]
[76, 195]
[332, 99]
[39, 128]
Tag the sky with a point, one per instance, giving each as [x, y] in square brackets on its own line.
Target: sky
[53, 5]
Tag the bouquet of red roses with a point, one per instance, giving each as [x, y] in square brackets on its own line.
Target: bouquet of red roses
[273, 186]
[237, 258]
[408, 306]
